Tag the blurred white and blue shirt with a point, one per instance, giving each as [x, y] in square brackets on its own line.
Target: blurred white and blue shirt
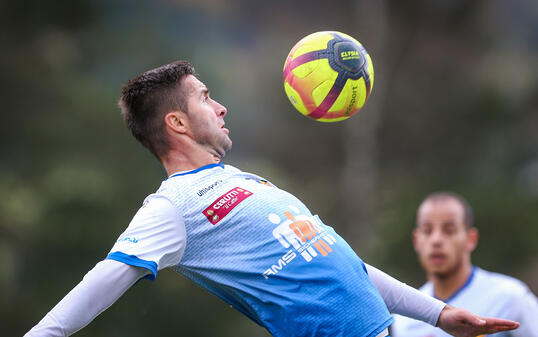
[486, 294]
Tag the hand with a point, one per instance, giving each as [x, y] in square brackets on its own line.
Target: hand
[462, 323]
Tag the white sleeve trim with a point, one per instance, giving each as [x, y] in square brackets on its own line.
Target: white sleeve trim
[97, 291]
[405, 300]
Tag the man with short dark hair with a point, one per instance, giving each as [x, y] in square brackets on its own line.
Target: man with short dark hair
[253, 245]
[444, 238]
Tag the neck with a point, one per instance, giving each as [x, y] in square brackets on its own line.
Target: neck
[185, 154]
[177, 162]
[445, 286]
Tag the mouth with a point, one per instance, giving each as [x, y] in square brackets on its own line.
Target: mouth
[437, 258]
[225, 129]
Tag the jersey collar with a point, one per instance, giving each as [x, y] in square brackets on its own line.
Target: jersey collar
[465, 285]
[205, 167]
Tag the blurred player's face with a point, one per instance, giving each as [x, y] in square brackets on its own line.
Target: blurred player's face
[442, 240]
[206, 118]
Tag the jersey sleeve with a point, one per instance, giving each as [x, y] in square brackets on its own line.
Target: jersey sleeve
[405, 300]
[155, 238]
[101, 287]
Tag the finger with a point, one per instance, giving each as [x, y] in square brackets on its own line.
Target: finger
[501, 322]
[496, 325]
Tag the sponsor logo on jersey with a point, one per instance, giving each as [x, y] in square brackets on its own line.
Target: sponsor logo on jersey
[208, 188]
[260, 181]
[127, 238]
[225, 203]
[303, 236]
[264, 182]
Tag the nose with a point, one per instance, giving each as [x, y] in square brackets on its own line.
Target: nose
[220, 109]
[436, 237]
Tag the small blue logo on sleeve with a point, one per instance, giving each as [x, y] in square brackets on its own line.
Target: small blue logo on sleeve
[126, 238]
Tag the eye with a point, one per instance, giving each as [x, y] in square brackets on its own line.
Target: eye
[426, 230]
[449, 229]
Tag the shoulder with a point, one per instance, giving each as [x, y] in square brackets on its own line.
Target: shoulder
[231, 168]
[158, 203]
[157, 211]
[501, 284]
[175, 187]
[502, 290]
[513, 298]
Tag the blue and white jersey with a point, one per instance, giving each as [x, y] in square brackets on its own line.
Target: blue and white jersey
[486, 294]
[259, 249]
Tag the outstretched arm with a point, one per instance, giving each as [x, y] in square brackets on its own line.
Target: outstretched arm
[99, 289]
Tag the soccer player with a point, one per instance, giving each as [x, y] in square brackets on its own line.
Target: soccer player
[250, 243]
[444, 238]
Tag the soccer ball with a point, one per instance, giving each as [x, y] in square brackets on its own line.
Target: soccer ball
[328, 76]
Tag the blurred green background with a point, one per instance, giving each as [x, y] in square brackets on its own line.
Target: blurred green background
[454, 107]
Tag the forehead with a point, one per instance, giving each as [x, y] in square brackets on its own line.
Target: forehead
[441, 210]
[193, 85]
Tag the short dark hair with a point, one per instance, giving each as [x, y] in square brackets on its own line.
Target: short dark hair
[468, 216]
[145, 100]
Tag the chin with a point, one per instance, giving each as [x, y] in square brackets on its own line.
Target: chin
[228, 146]
[441, 273]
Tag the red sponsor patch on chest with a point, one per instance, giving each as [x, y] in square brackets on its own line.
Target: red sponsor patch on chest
[225, 203]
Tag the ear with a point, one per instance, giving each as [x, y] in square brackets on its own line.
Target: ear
[177, 121]
[415, 239]
[472, 238]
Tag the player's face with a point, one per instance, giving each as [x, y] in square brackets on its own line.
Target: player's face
[442, 240]
[206, 118]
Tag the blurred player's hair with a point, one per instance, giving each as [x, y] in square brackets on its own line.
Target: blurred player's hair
[468, 216]
[147, 98]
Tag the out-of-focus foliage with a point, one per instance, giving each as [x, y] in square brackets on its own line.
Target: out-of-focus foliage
[454, 107]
